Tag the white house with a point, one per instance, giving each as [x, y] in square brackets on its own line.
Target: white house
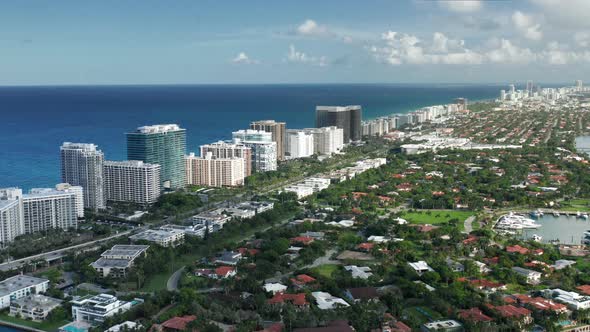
[95, 309]
[360, 272]
[326, 301]
[274, 287]
[532, 277]
[420, 267]
[573, 300]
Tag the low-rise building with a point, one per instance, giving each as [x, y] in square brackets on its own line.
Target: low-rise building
[420, 267]
[162, 237]
[95, 309]
[19, 286]
[116, 261]
[442, 325]
[326, 301]
[228, 258]
[360, 272]
[34, 306]
[532, 277]
[573, 300]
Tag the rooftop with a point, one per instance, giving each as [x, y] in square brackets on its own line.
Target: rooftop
[156, 129]
[15, 283]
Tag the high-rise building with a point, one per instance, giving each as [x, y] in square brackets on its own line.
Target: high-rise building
[277, 129]
[529, 86]
[225, 150]
[79, 191]
[347, 118]
[164, 145]
[461, 103]
[47, 208]
[299, 144]
[502, 95]
[132, 181]
[264, 149]
[11, 215]
[579, 84]
[82, 165]
[326, 140]
[214, 172]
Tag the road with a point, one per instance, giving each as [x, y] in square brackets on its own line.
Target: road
[56, 253]
[325, 259]
[468, 224]
[172, 283]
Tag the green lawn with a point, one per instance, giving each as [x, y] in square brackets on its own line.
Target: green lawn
[326, 270]
[45, 326]
[580, 204]
[435, 216]
[422, 314]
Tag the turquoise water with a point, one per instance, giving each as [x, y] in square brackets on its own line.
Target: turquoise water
[566, 229]
[36, 120]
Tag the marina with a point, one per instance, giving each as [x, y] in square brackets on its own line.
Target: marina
[566, 228]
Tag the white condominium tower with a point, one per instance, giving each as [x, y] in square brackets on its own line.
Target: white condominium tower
[264, 149]
[132, 181]
[299, 144]
[47, 208]
[79, 191]
[214, 172]
[82, 165]
[327, 140]
[11, 215]
[225, 150]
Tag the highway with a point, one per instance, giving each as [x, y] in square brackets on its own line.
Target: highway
[59, 252]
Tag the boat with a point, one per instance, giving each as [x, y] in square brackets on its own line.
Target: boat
[586, 238]
[555, 214]
[513, 221]
[536, 214]
[584, 215]
[536, 238]
[578, 214]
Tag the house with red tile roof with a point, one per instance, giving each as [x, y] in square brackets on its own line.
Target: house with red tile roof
[303, 280]
[471, 239]
[539, 303]
[295, 299]
[366, 246]
[248, 252]
[517, 249]
[512, 312]
[177, 323]
[474, 315]
[221, 272]
[305, 240]
[585, 289]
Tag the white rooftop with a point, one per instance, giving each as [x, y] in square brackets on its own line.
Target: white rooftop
[156, 129]
[15, 283]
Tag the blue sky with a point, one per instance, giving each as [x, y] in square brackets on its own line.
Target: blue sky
[151, 42]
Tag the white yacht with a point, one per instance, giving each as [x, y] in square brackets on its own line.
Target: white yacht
[584, 215]
[516, 222]
[537, 238]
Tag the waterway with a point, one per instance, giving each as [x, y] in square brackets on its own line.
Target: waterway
[566, 229]
[583, 143]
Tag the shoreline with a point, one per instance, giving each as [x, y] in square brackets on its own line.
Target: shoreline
[19, 327]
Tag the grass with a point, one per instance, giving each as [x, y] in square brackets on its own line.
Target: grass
[422, 314]
[436, 216]
[45, 325]
[579, 204]
[326, 270]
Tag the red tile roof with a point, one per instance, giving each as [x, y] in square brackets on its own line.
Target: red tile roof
[302, 239]
[302, 279]
[584, 289]
[517, 249]
[474, 315]
[178, 323]
[222, 271]
[509, 311]
[296, 299]
[367, 246]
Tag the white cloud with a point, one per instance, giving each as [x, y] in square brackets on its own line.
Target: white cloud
[243, 58]
[402, 48]
[461, 6]
[565, 13]
[312, 28]
[527, 25]
[507, 53]
[295, 56]
[582, 38]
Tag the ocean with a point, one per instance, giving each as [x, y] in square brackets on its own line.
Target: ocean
[36, 120]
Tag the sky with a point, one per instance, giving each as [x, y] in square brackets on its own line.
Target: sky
[257, 42]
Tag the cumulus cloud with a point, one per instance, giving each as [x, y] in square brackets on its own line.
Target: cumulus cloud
[399, 49]
[527, 26]
[295, 56]
[312, 28]
[243, 58]
[461, 6]
[403, 48]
